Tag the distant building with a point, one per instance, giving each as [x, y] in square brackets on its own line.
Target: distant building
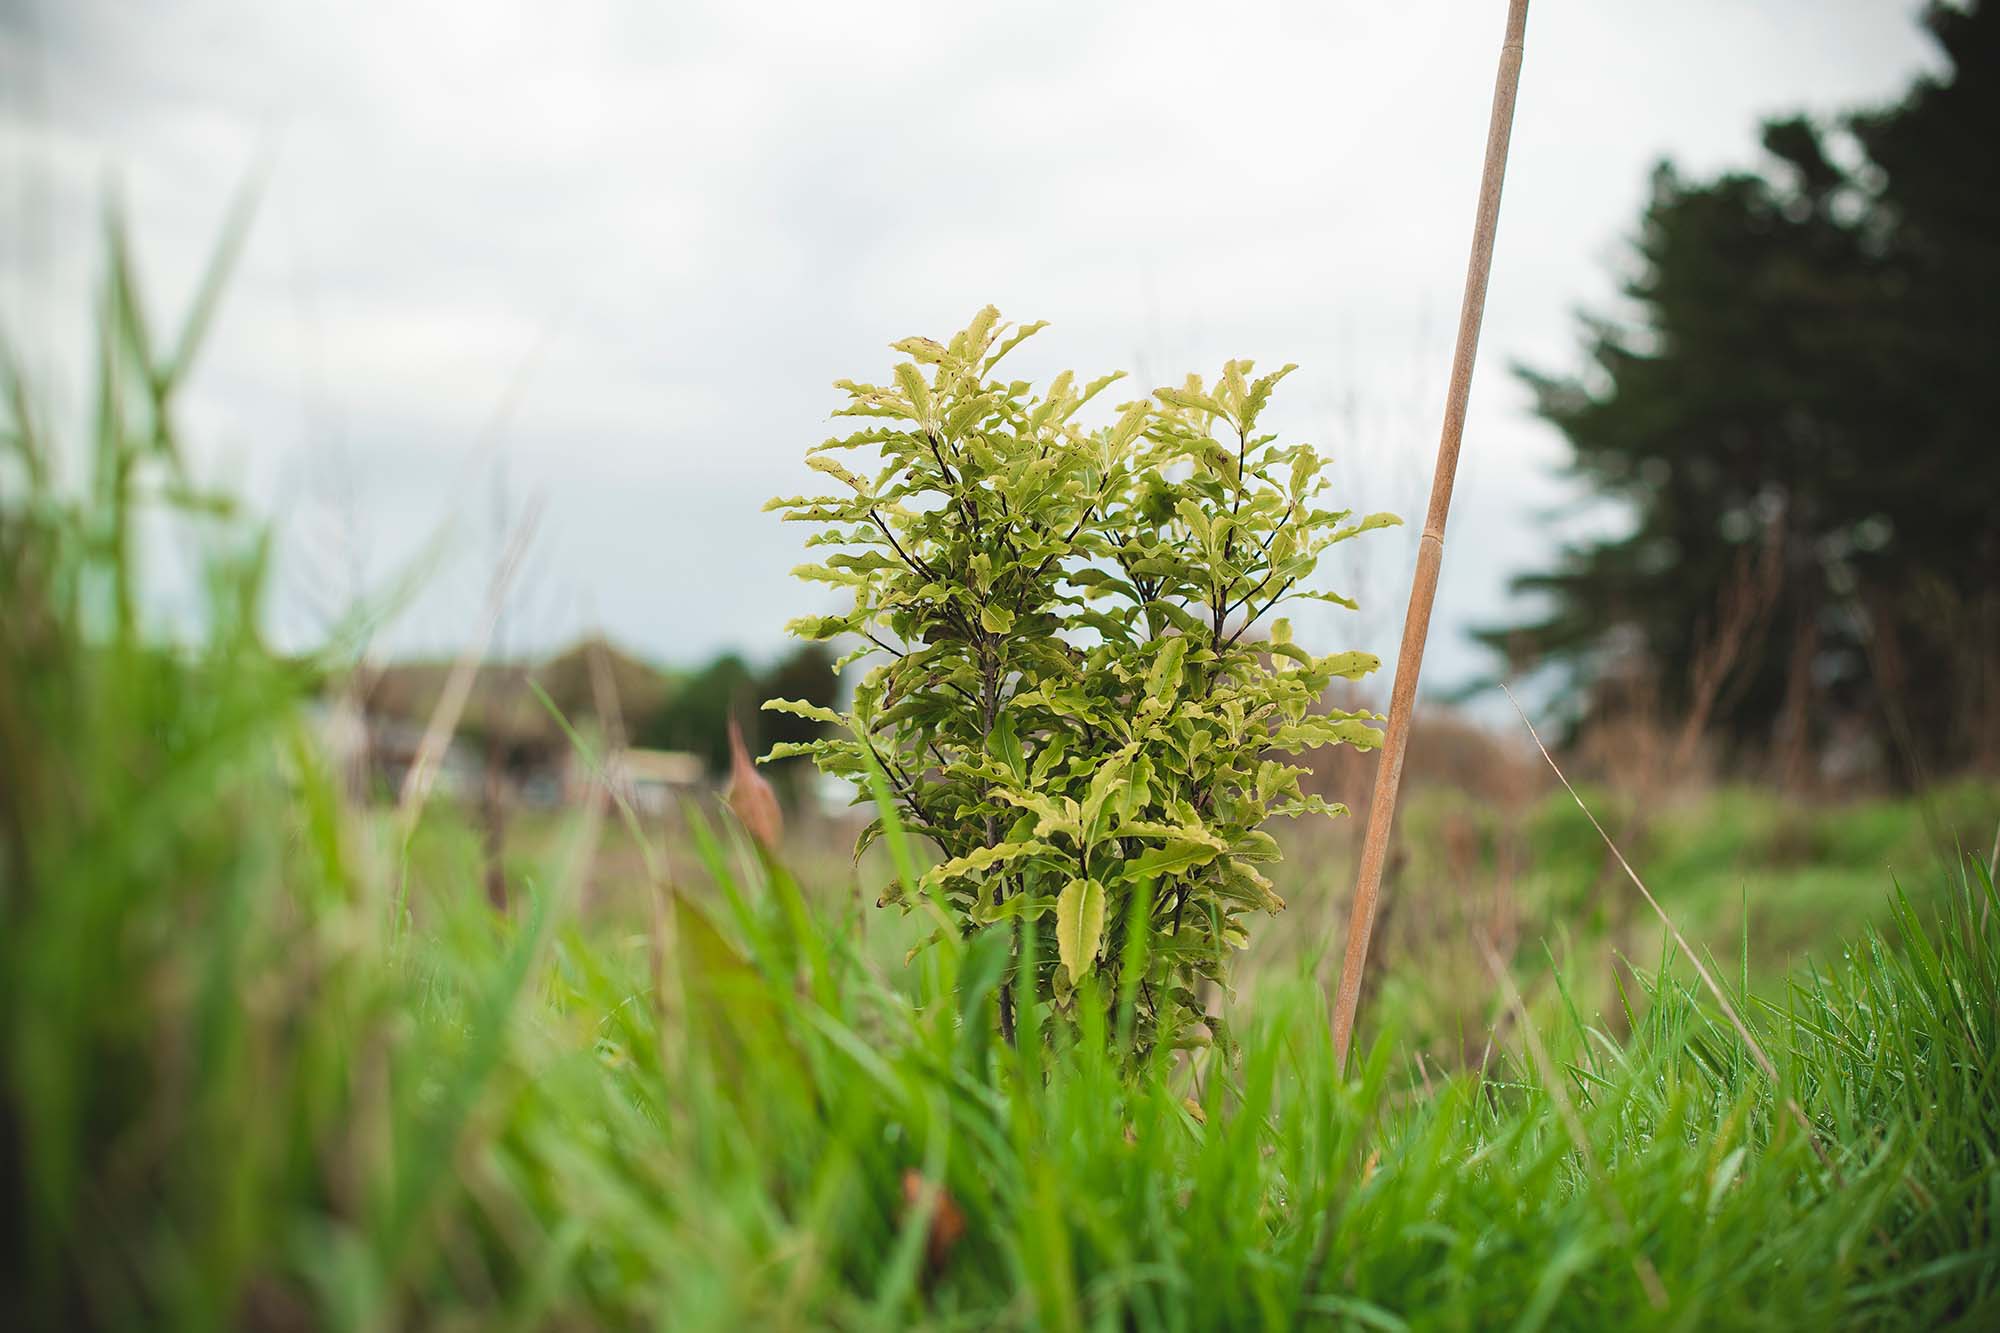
[652, 780]
[506, 746]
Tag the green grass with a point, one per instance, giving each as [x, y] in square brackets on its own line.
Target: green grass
[239, 1086]
[239, 1091]
[1802, 876]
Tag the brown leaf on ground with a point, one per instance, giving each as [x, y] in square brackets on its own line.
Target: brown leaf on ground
[947, 1223]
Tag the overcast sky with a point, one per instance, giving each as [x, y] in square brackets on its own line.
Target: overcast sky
[613, 255]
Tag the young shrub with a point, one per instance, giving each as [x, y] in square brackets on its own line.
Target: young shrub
[1073, 707]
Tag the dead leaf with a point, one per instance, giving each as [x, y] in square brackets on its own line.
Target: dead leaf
[750, 795]
[947, 1222]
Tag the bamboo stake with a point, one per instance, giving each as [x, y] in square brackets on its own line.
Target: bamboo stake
[1430, 548]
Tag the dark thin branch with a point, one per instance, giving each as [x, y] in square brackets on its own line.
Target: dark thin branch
[908, 559]
[898, 655]
[1005, 532]
[1254, 616]
[905, 787]
[1085, 517]
[1264, 549]
[966, 506]
[931, 439]
[1236, 606]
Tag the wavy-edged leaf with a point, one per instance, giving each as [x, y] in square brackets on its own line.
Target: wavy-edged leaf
[1177, 856]
[921, 350]
[812, 712]
[1080, 925]
[983, 858]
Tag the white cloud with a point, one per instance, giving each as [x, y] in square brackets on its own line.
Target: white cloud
[655, 234]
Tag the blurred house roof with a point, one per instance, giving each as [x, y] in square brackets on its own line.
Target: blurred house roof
[502, 707]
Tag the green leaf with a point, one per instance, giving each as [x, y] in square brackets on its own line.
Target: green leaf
[982, 858]
[1198, 522]
[1349, 666]
[1310, 805]
[995, 619]
[1369, 524]
[1320, 730]
[1175, 857]
[800, 708]
[1054, 815]
[1192, 400]
[832, 468]
[1023, 905]
[1163, 679]
[817, 627]
[1004, 744]
[1316, 595]
[1129, 425]
[1019, 336]
[1048, 756]
[1080, 925]
[1243, 884]
[1103, 783]
[911, 381]
[921, 350]
[1260, 394]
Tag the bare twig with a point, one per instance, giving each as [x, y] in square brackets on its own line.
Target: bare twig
[1430, 548]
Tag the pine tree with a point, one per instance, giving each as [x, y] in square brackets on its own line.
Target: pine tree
[1801, 422]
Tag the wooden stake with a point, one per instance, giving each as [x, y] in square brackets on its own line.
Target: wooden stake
[1430, 548]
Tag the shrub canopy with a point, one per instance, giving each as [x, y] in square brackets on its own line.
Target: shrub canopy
[1072, 705]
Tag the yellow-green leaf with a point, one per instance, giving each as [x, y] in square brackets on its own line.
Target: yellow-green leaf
[911, 381]
[1163, 679]
[1176, 856]
[1351, 666]
[800, 708]
[832, 468]
[982, 858]
[1080, 925]
[923, 350]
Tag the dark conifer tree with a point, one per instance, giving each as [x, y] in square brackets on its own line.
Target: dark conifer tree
[1801, 420]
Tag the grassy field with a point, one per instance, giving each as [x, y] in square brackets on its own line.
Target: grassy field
[270, 1059]
[243, 1088]
[1745, 873]
[1787, 880]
